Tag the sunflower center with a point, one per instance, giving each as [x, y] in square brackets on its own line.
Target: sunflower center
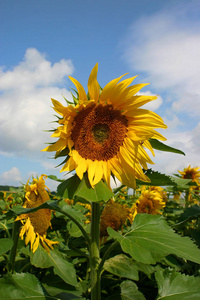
[98, 131]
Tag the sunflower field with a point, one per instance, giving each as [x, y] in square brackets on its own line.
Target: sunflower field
[88, 240]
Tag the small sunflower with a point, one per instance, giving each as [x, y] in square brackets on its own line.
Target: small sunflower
[150, 202]
[191, 173]
[106, 131]
[35, 224]
[114, 215]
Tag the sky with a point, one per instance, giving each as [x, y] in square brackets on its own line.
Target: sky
[43, 42]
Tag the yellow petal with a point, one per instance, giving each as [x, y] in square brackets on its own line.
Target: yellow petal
[93, 85]
[69, 166]
[107, 91]
[59, 108]
[57, 146]
[106, 173]
[80, 89]
[36, 244]
[99, 172]
[81, 164]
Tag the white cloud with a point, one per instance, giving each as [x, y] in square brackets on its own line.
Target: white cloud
[165, 49]
[12, 176]
[25, 102]
[152, 105]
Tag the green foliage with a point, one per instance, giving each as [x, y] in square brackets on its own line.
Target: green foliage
[22, 286]
[150, 239]
[74, 187]
[154, 257]
[175, 286]
[162, 147]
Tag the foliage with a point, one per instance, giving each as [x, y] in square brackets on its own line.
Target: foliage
[152, 257]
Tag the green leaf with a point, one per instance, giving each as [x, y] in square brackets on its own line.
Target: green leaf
[42, 259]
[150, 239]
[68, 188]
[54, 285]
[157, 179]
[175, 286]
[74, 187]
[190, 213]
[22, 286]
[122, 266]
[5, 245]
[129, 291]
[162, 147]
[53, 177]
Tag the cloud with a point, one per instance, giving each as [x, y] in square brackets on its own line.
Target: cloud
[25, 93]
[165, 49]
[13, 176]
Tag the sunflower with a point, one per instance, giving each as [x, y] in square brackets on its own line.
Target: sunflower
[35, 224]
[191, 173]
[106, 132]
[114, 215]
[150, 202]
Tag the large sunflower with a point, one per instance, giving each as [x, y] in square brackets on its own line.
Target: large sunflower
[106, 131]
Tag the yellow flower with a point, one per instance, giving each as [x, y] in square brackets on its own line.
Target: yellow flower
[35, 224]
[114, 215]
[150, 202]
[191, 173]
[107, 131]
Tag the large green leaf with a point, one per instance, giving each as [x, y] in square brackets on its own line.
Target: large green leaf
[162, 147]
[176, 286]
[150, 239]
[42, 259]
[5, 245]
[122, 266]
[74, 187]
[129, 291]
[22, 286]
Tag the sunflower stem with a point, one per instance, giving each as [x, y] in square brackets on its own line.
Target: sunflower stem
[187, 199]
[13, 251]
[94, 252]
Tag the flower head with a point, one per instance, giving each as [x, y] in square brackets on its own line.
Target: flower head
[107, 131]
[191, 173]
[150, 202]
[35, 224]
[114, 215]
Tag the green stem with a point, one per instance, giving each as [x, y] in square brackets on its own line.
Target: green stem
[94, 252]
[113, 245]
[13, 251]
[187, 199]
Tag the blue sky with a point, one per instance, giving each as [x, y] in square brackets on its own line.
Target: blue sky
[43, 42]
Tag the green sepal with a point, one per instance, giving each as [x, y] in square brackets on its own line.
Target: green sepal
[162, 147]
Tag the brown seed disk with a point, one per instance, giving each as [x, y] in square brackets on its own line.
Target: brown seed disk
[98, 131]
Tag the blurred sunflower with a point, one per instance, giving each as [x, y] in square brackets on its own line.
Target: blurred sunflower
[35, 224]
[191, 173]
[107, 131]
[150, 202]
[114, 215]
